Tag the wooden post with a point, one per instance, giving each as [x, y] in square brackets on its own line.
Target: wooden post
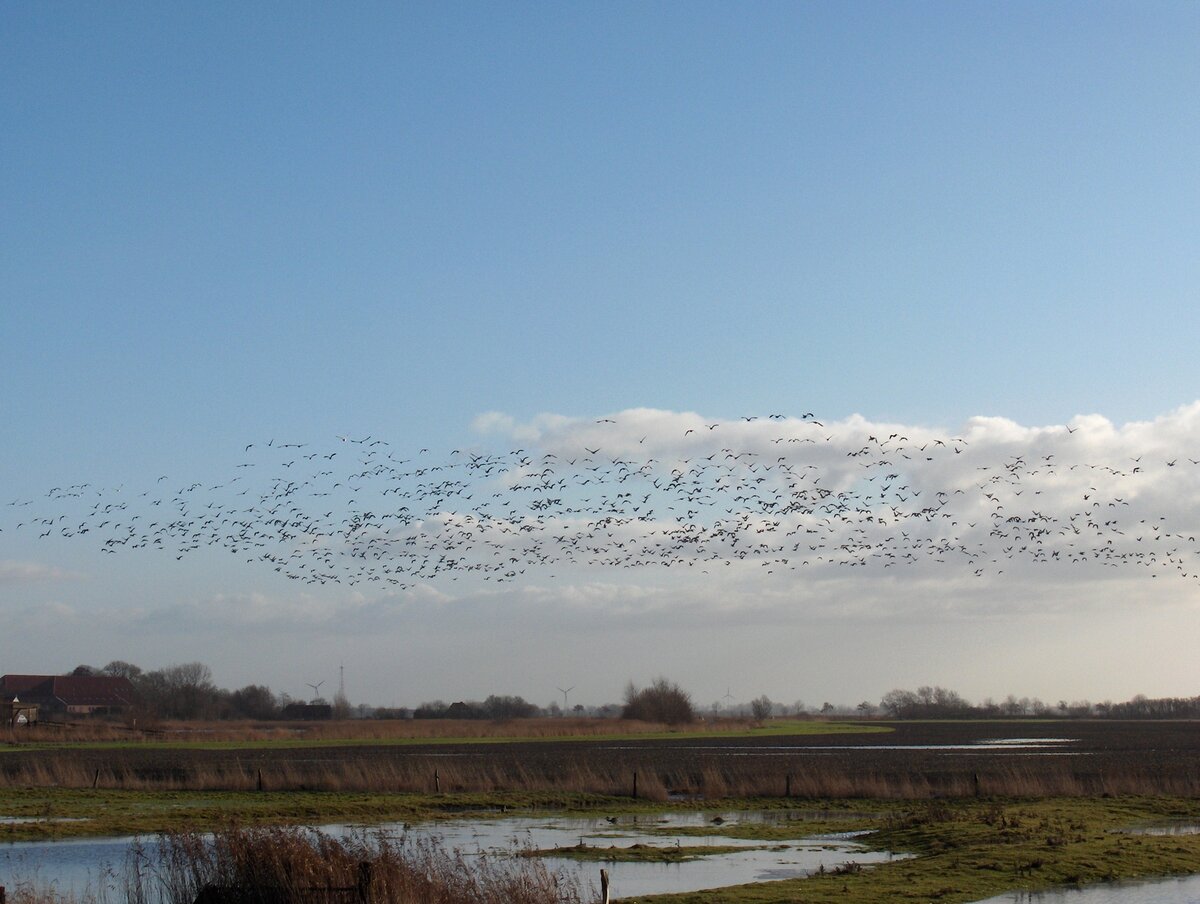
[96, 778]
[603, 888]
[975, 778]
[437, 782]
[635, 786]
[259, 784]
[787, 786]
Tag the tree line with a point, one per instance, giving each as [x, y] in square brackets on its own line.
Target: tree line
[186, 691]
[942, 703]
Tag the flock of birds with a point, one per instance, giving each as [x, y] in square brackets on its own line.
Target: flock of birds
[777, 493]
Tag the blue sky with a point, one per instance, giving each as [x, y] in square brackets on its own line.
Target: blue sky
[226, 224]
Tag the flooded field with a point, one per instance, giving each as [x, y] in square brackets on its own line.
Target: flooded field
[1184, 890]
[85, 866]
[1044, 803]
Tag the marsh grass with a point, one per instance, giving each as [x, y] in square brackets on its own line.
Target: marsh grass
[304, 866]
[969, 850]
[637, 853]
[660, 775]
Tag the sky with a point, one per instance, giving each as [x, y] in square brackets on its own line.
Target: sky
[481, 229]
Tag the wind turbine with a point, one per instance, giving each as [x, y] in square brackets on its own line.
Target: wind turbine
[564, 693]
[316, 688]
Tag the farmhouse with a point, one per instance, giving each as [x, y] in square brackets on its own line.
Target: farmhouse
[75, 695]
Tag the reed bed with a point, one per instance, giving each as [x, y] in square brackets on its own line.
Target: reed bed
[662, 772]
[304, 866]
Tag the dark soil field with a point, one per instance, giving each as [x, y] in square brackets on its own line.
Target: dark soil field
[912, 761]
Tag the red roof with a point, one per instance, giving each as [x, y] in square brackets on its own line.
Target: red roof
[18, 684]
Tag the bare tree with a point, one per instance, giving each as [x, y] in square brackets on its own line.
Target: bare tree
[662, 701]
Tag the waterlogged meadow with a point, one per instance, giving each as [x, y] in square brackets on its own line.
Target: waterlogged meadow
[949, 811]
[862, 852]
[286, 864]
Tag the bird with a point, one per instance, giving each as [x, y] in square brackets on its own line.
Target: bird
[378, 516]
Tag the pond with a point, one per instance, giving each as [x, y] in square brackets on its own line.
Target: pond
[1185, 890]
[86, 865]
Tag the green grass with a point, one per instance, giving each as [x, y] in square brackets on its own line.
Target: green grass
[109, 812]
[967, 851]
[636, 853]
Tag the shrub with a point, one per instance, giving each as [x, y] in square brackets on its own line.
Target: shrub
[662, 701]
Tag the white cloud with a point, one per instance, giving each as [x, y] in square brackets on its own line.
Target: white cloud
[658, 521]
[31, 572]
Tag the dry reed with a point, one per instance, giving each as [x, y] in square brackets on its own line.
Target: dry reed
[304, 866]
[662, 772]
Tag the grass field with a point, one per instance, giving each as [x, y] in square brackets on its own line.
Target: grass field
[252, 735]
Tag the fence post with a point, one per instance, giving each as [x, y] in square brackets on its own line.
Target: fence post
[787, 786]
[635, 786]
[95, 781]
[437, 782]
[603, 887]
[258, 785]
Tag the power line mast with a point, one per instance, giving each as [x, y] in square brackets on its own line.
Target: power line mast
[341, 681]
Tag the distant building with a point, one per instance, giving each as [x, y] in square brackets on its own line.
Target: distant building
[14, 712]
[73, 695]
[308, 711]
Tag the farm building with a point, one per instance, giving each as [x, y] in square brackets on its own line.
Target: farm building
[75, 695]
[308, 711]
[13, 713]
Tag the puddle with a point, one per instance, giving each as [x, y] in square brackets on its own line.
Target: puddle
[22, 820]
[1184, 890]
[86, 865]
[989, 746]
[1166, 828]
[1025, 742]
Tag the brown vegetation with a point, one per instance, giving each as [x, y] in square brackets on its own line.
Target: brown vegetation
[352, 730]
[662, 701]
[281, 865]
[1104, 757]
